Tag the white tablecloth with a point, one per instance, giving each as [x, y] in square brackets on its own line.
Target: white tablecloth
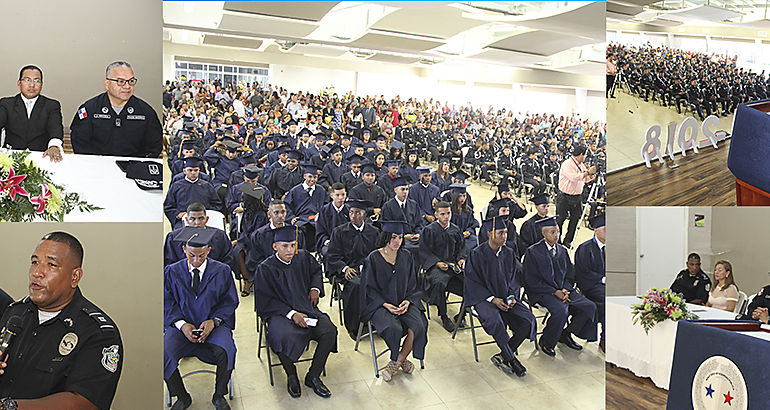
[646, 355]
[100, 182]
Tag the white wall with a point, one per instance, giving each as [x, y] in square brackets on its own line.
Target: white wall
[311, 79]
[662, 245]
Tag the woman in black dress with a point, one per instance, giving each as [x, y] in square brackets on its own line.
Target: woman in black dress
[391, 299]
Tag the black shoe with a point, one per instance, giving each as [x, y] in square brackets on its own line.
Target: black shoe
[547, 350]
[182, 403]
[566, 338]
[318, 386]
[292, 385]
[517, 367]
[220, 403]
[462, 323]
[501, 364]
[447, 323]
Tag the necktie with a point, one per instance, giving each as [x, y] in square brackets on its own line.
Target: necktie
[553, 252]
[196, 281]
[604, 255]
[310, 191]
[29, 108]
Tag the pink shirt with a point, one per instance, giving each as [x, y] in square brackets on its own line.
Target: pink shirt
[571, 177]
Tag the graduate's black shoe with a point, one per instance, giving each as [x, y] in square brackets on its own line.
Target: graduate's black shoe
[292, 385]
[547, 350]
[517, 367]
[448, 324]
[500, 363]
[220, 403]
[566, 338]
[460, 325]
[182, 403]
[318, 386]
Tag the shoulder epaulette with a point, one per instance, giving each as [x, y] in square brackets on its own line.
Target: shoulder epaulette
[103, 321]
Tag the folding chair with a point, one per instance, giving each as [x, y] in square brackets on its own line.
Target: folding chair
[229, 384]
[544, 316]
[471, 313]
[266, 346]
[375, 355]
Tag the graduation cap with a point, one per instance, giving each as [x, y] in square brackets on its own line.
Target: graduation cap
[251, 171]
[195, 237]
[290, 123]
[460, 175]
[350, 128]
[357, 144]
[310, 168]
[459, 188]
[391, 163]
[319, 136]
[367, 168]
[192, 162]
[597, 221]
[219, 131]
[444, 159]
[400, 181]
[286, 233]
[366, 131]
[358, 204]
[294, 154]
[499, 203]
[381, 138]
[356, 159]
[252, 190]
[304, 132]
[412, 151]
[397, 144]
[540, 199]
[334, 149]
[325, 150]
[396, 227]
[231, 145]
[424, 169]
[284, 149]
[259, 130]
[147, 175]
[346, 137]
[494, 223]
[503, 187]
[547, 221]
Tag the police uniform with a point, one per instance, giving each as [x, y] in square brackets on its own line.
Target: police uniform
[762, 299]
[97, 129]
[692, 287]
[77, 351]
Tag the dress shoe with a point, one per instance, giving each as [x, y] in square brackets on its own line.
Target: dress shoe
[517, 367]
[220, 403]
[182, 403]
[318, 386]
[501, 364]
[547, 350]
[292, 385]
[566, 338]
[462, 323]
[448, 324]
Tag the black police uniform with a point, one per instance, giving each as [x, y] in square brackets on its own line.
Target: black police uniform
[762, 299]
[692, 287]
[135, 132]
[77, 351]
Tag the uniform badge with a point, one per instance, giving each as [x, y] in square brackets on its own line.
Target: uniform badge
[708, 287]
[68, 322]
[130, 110]
[82, 113]
[68, 343]
[695, 283]
[105, 110]
[110, 358]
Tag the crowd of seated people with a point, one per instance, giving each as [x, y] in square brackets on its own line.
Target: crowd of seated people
[337, 186]
[711, 84]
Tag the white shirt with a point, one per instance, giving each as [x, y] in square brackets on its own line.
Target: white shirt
[179, 323]
[43, 317]
[400, 204]
[306, 187]
[29, 104]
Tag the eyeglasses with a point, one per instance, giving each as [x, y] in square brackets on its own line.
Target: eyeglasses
[28, 80]
[121, 82]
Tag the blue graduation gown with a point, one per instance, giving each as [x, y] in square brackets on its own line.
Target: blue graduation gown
[328, 219]
[221, 165]
[259, 246]
[441, 183]
[410, 173]
[466, 222]
[512, 241]
[386, 183]
[217, 297]
[221, 248]
[439, 245]
[281, 288]
[234, 196]
[589, 270]
[332, 173]
[183, 193]
[424, 196]
[414, 217]
[201, 176]
[300, 203]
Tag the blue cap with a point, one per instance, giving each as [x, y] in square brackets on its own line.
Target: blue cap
[399, 181]
[358, 204]
[286, 233]
[396, 227]
[496, 222]
[193, 162]
[540, 199]
[310, 168]
[334, 149]
[424, 169]
[283, 149]
[194, 237]
[460, 175]
[382, 138]
[367, 168]
[459, 188]
[499, 203]
[547, 221]
[346, 137]
[397, 144]
[597, 221]
[294, 154]
[391, 163]
[356, 160]
[503, 187]
[251, 171]
[444, 159]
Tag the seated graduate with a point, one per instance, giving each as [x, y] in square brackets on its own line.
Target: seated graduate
[288, 287]
[516, 208]
[462, 215]
[353, 177]
[402, 208]
[441, 177]
[234, 197]
[304, 202]
[223, 158]
[199, 316]
[334, 169]
[529, 234]
[221, 247]
[186, 150]
[392, 299]
[191, 189]
[493, 287]
[501, 208]
[458, 177]
[386, 181]
[425, 193]
[283, 179]
[548, 276]
[281, 160]
[692, 282]
[589, 269]
[332, 215]
[253, 217]
[258, 246]
[367, 190]
[724, 294]
[350, 243]
[442, 256]
[409, 167]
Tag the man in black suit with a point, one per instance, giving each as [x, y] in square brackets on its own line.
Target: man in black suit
[32, 121]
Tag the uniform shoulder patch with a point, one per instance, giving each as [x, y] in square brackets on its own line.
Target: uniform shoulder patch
[111, 358]
[102, 320]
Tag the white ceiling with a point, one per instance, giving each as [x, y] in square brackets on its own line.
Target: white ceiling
[745, 13]
[519, 34]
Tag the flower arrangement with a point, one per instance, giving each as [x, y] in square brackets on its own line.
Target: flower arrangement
[659, 305]
[27, 192]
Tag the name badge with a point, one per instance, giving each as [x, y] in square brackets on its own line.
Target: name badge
[102, 116]
[135, 117]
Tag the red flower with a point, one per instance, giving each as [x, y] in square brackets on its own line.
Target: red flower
[41, 200]
[13, 184]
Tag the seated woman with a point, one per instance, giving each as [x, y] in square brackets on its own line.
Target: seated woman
[392, 299]
[724, 294]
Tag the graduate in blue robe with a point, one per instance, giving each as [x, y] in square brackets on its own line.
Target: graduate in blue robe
[444, 179]
[199, 296]
[368, 191]
[392, 299]
[548, 276]
[529, 234]
[386, 181]
[409, 166]
[188, 190]
[179, 177]
[589, 268]
[334, 169]
[223, 159]
[234, 197]
[258, 245]
[492, 286]
[501, 207]
[411, 213]
[304, 202]
[353, 177]
[221, 247]
[285, 178]
[281, 159]
[186, 149]
[462, 216]
[288, 286]
[332, 215]
[424, 193]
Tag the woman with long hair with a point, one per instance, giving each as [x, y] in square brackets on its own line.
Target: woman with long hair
[392, 299]
[724, 293]
[409, 167]
[440, 177]
[462, 216]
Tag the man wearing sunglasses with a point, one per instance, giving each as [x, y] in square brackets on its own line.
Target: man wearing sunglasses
[117, 122]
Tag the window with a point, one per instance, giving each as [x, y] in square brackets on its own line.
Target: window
[227, 74]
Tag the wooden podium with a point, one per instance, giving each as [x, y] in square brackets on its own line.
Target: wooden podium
[749, 156]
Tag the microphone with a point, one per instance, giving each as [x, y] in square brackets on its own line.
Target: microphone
[9, 331]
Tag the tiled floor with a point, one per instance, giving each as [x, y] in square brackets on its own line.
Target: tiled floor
[451, 378]
[627, 125]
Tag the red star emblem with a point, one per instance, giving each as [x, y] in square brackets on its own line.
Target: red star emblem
[13, 184]
[728, 398]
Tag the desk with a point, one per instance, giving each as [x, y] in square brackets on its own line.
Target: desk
[100, 182]
[646, 354]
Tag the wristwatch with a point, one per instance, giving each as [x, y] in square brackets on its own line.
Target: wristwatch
[217, 321]
[8, 404]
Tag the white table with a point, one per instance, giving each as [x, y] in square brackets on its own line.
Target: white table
[646, 355]
[100, 182]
